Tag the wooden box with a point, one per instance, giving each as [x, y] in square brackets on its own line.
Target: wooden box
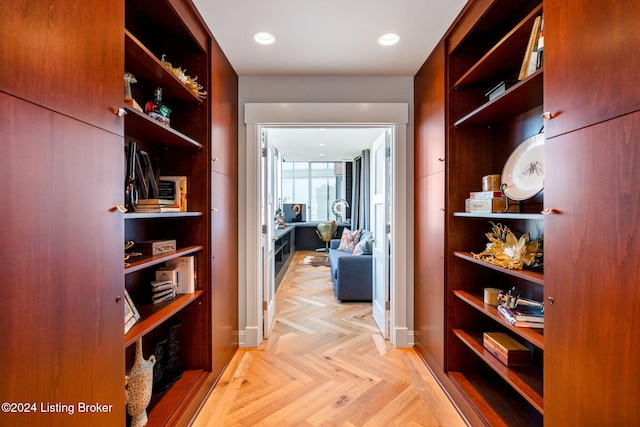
[156, 247]
[495, 204]
[506, 349]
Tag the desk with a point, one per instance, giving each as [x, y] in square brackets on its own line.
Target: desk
[306, 237]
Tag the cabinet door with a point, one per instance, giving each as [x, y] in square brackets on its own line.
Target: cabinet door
[223, 95]
[592, 254]
[429, 267]
[430, 115]
[62, 326]
[66, 56]
[592, 56]
[224, 269]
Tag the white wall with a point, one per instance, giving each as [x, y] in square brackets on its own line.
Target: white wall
[321, 90]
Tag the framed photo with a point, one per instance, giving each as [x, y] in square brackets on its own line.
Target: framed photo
[174, 188]
[131, 315]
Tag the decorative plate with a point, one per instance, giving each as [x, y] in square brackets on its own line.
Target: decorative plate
[523, 174]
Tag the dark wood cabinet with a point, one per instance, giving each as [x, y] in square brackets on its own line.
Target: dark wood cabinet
[224, 269]
[62, 310]
[591, 275]
[429, 164]
[62, 314]
[591, 63]
[584, 369]
[59, 56]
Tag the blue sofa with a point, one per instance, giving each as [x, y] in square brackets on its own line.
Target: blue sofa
[351, 275]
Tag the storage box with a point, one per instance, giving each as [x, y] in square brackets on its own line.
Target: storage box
[186, 267]
[156, 247]
[495, 204]
[506, 349]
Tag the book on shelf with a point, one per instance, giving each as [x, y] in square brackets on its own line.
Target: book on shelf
[509, 317]
[531, 54]
[485, 194]
[155, 202]
[528, 313]
[156, 209]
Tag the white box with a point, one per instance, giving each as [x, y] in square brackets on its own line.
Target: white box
[185, 266]
[170, 274]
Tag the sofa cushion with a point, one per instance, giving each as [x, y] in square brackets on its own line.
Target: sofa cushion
[348, 240]
[363, 247]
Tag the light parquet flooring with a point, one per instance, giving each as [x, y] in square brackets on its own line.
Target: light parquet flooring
[325, 364]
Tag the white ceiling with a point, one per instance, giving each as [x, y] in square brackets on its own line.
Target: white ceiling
[322, 144]
[328, 37]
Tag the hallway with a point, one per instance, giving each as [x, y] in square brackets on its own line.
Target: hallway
[325, 364]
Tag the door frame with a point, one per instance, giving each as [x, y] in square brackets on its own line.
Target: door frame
[258, 115]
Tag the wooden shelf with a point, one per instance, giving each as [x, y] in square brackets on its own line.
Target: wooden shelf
[167, 215]
[523, 96]
[506, 55]
[149, 261]
[526, 381]
[153, 315]
[143, 64]
[532, 276]
[165, 408]
[499, 215]
[533, 335]
[493, 401]
[141, 126]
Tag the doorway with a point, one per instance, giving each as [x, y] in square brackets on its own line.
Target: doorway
[258, 116]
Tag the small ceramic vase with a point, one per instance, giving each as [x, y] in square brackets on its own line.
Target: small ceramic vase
[139, 384]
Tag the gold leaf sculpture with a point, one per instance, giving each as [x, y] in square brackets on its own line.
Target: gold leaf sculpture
[506, 250]
[190, 82]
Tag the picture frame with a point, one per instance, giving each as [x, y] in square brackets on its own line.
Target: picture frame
[174, 188]
[131, 315]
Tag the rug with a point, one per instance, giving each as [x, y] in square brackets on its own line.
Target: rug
[317, 260]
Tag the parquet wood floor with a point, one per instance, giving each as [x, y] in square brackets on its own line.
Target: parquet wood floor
[325, 364]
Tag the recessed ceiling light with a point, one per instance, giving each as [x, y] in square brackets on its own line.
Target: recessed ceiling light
[321, 144]
[388, 39]
[264, 38]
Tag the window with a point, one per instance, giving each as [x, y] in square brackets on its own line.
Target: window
[315, 184]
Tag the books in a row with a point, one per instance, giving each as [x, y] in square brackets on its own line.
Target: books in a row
[533, 55]
[523, 316]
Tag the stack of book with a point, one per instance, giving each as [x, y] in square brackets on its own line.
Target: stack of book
[156, 205]
[523, 316]
[162, 290]
[489, 202]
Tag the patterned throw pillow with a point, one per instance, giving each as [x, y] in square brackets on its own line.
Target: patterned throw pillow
[364, 245]
[347, 240]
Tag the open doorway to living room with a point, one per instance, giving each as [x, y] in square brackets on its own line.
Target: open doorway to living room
[254, 297]
[329, 189]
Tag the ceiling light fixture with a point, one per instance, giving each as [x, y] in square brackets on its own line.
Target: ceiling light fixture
[264, 38]
[388, 39]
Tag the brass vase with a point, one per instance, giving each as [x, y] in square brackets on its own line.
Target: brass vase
[139, 385]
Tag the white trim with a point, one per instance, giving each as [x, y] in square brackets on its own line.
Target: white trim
[321, 114]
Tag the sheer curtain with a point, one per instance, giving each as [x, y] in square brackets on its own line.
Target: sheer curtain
[361, 191]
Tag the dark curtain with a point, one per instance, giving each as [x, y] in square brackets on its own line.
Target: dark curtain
[361, 192]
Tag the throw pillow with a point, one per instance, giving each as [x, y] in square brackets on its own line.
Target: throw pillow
[364, 245]
[347, 240]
